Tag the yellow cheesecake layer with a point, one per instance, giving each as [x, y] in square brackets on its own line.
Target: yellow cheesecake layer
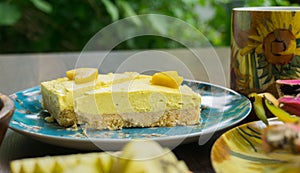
[138, 95]
[58, 95]
[138, 103]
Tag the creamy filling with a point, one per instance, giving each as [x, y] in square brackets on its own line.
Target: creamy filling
[136, 96]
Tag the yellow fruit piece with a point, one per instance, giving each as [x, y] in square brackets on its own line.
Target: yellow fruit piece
[76, 163]
[281, 114]
[167, 78]
[270, 98]
[259, 108]
[137, 156]
[70, 74]
[82, 75]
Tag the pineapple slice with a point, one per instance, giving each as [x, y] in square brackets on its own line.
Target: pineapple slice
[137, 156]
[76, 163]
[82, 75]
[167, 78]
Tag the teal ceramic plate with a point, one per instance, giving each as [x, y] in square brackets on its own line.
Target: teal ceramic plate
[221, 108]
[239, 150]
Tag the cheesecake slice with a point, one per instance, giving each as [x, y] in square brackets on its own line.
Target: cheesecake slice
[122, 100]
[138, 103]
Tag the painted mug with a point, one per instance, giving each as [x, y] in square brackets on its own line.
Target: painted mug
[265, 46]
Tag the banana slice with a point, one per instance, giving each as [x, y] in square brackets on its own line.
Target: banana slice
[82, 75]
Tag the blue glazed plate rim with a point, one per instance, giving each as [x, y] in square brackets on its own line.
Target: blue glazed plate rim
[30, 99]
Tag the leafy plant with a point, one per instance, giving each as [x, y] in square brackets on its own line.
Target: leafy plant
[66, 25]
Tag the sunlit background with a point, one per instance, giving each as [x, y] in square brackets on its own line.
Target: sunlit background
[66, 25]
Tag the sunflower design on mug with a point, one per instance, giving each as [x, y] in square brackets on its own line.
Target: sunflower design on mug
[265, 47]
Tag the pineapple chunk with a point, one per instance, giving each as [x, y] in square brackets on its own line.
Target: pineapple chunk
[76, 163]
[82, 75]
[30, 166]
[42, 165]
[137, 156]
[167, 78]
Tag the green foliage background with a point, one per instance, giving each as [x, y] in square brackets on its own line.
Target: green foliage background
[66, 25]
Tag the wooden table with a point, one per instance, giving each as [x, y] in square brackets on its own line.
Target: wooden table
[27, 70]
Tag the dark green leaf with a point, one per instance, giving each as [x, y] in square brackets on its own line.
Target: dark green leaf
[111, 9]
[9, 14]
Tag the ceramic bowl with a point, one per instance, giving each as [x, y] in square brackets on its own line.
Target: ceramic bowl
[7, 108]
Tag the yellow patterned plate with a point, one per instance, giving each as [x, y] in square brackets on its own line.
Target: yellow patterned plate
[239, 150]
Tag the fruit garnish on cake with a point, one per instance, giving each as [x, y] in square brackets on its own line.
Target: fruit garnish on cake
[167, 78]
[120, 100]
[82, 75]
[137, 156]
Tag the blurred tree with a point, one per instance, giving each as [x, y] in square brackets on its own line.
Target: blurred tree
[66, 25]
[54, 25]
